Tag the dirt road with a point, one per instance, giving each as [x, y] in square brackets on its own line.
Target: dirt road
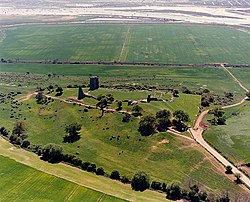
[198, 130]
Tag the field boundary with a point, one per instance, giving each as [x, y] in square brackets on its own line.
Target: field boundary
[115, 63]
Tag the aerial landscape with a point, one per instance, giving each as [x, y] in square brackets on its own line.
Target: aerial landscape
[143, 100]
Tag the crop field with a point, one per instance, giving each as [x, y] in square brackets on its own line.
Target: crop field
[22, 183]
[100, 144]
[233, 139]
[215, 79]
[243, 75]
[140, 43]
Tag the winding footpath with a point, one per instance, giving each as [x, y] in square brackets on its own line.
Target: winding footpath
[198, 130]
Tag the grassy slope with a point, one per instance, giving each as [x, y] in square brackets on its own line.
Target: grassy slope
[95, 145]
[77, 176]
[151, 43]
[214, 79]
[233, 139]
[39, 186]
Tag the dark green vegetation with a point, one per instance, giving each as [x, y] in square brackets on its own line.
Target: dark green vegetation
[232, 139]
[145, 43]
[22, 183]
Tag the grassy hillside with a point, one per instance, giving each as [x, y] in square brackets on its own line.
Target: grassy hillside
[113, 144]
[144, 43]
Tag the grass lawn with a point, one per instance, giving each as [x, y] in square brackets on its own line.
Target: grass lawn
[23, 183]
[233, 139]
[142, 43]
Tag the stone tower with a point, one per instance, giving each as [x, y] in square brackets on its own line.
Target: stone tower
[94, 83]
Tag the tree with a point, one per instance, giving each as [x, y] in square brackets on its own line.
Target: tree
[147, 126]
[19, 128]
[248, 94]
[40, 97]
[125, 180]
[140, 181]
[100, 171]
[119, 105]
[73, 131]
[115, 175]
[174, 191]
[102, 104]
[180, 118]
[163, 114]
[156, 185]
[52, 152]
[126, 117]
[137, 110]
[4, 131]
[163, 124]
[175, 93]
[238, 177]
[25, 144]
[59, 91]
[228, 170]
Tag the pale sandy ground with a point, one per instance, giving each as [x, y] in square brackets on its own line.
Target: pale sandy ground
[132, 13]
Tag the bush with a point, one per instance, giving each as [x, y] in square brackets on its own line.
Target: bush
[147, 126]
[4, 131]
[125, 180]
[25, 144]
[115, 175]
[228, 170]
[85, 165]
[156, 185]
[174, 191]
[91, 168]
[140, 181]
[100, 171]
[52, 153]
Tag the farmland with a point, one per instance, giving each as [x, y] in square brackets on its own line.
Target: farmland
[233, 139]
[175, 77]
[145, 43]
[40, 186]
[108, 141]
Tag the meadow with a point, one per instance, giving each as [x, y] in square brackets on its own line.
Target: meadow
[215, 79]
[233, 139]
[140, 43]
[23, 183]
[114, 144]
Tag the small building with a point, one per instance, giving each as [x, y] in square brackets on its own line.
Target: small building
[94, 83]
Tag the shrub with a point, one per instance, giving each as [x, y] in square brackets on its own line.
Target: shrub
[115, 175]
[140, 181]
[100, 171]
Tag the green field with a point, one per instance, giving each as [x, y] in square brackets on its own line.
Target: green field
[215, 79]
[23, 183]
[233, 139]
[141, 43]
[243, 74]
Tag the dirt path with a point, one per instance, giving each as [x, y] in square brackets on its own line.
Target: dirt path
[235, 79]
[123, 53]
[198, 130]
